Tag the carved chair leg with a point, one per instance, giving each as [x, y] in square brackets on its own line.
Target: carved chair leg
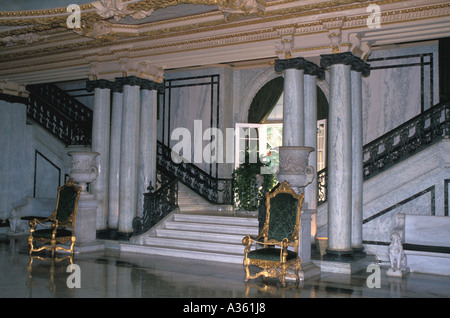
[297, 269]
[283, 274]
[247, 272]
[53, 246]
[30, 242]
[73, 243]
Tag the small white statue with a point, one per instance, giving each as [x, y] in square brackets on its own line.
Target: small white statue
[397, 256]
[16, 224]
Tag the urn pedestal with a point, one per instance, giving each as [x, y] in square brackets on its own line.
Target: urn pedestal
[295, 169]
[83, 171]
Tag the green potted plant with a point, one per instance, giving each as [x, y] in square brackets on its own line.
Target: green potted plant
[249, 184]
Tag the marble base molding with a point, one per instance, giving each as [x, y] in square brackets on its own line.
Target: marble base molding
[345, 267]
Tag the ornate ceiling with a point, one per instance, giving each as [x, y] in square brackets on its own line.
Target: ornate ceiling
[146, 37]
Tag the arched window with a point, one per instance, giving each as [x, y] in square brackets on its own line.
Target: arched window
[264, 129]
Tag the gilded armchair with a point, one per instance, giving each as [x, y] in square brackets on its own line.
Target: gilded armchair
[59, 227]
[279, 237]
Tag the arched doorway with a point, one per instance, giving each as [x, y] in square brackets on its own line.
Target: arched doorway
[265, 123]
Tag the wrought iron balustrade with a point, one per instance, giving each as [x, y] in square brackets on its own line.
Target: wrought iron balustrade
[60, 114]
[399, 144]
[214, 190]
[158, 203]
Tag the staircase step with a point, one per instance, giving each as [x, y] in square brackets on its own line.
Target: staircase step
[201, 236]
[192, 254]
[211, 228]
[212, 219]
[183, 244]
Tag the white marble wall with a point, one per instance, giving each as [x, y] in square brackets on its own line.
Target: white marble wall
[15, 157]
[392, 92]
[19, 163]
[191, 104]
[415, 186]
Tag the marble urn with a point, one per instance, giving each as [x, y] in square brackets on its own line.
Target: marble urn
[83, 169]
[294, 166]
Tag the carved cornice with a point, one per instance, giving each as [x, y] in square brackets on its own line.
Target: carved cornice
[345, 58]
[13, 89]
[198, 39]
[300, 63]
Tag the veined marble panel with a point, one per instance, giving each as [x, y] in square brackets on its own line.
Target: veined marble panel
[47, 176]
[198, 98]
[402, 83]
[377, 228]
[427, 230]
[15, 156]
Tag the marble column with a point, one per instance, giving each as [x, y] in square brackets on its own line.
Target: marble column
[339, 189]
[100, 143]
[148, 138]
[312, 73]
[129, 155]
[359, 69]
[114, 159]
[293, 101]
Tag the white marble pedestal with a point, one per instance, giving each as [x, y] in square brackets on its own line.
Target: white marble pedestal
[308, 267]
[85, 226]
[397, 273]
[345, 267]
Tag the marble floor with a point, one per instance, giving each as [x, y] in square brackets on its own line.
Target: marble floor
[113, 275]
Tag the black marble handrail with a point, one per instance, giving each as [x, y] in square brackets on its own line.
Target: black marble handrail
[214, 190]
[399, 144]
[158, 203]
[60, 114]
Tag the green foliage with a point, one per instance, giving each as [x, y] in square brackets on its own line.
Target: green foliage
[245, 185]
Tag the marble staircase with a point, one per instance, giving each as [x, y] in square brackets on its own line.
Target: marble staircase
[189, 201]
[417, 186]
[206, 235]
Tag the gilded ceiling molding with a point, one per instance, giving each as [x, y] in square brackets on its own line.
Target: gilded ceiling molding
[25, 38]
[118, 10]
[145, 46]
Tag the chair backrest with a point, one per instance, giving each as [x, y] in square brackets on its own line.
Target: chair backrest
[67, 202]
[283, 209]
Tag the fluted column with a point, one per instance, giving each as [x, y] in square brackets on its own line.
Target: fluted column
[114, 157]
[359, 69]
[339, 189]
[100, 144]
[148, 138]
[129, 155]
